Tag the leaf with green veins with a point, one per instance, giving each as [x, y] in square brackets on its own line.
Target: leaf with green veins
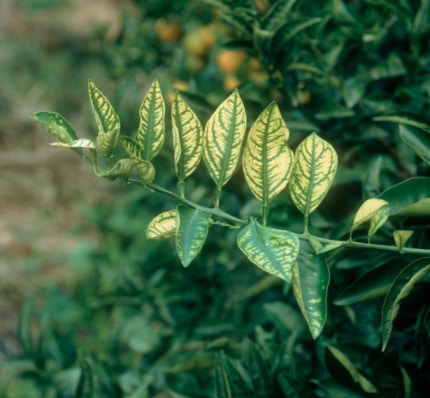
[267, 160]
[313, 173]
[146, 170]
[150, 136]
[222, 143]
[371, 209]
[122, 168]
[187, 138]
[107, 120]
[272, 250]
[191, 231]
[310, 279]
[400, 289]
[132, 148]
[401, 237]
[162, 226]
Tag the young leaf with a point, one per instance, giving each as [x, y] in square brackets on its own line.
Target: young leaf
[79, 143]
[162, 226]
[146, 170]
[107, 120]
[132, 148]
[310, 279]
[224, 134]
[400, 289]
[187, 138]
[229, 382]
[313, 173]
[375, 210]
[267, 160]
[401, 236]
[150, 136]
[272, 250]
[121, 168]
[85, 387]
[191, 231]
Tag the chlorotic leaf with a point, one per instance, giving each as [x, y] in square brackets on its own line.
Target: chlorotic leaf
[401, 236]
[272, 250]
[132, 148]
[371, 209]
[122, 168]
[79, 143]
[187, 138]
[146, 170]
[224, 134]
[313, 173]
[162, 226]
[107, 120]
[267, 160]
[191, 231]
[56, 125]
[378, 220]
[401, 287]
[310, 279]
[150, 135]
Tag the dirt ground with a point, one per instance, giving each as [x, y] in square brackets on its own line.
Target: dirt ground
[40, 185]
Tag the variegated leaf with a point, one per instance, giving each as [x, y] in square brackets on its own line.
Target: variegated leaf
[106, 118]
[310, 282]
[150, 135]
[267, 160]
[132, 148]
[191, 231]
[374, 210]
[56, 125]
[187, 138]
[146, 170]
[224, 134]
[79, 143]
[121, 168]
[272, 250]
[162, 226]
[313, 173]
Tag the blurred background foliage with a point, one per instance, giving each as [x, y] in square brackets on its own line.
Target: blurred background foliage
[125, 319]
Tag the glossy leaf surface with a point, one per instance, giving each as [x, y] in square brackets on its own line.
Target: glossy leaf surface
[267, 160]
[374, 210]
[418, 140]
[150, 135]
[399, 290]
[313, 173]
[272, 250]
[191, 232]
[310, 279]
[224, 134]
[162, 226]
[187, 138]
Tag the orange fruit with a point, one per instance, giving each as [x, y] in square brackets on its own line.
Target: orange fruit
[231, 82]
[229, 61]
[168, 31]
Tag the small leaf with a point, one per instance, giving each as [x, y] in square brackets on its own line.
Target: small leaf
[122, 168]
[79, 143]
[187, 138]
[267, 160]
[146, 170]
[313, 173]
[150, 136]
[106, 118]
[132, 148]
[56, 125]
[224, 134]
[401, 237]
[24, 329]
[191, 232]
[85, 388]
[418, 140]
[162, 226]
[272, 250]
[378, 221]
[371, 209]
[229, 382]
[400, 289]
[310, 282]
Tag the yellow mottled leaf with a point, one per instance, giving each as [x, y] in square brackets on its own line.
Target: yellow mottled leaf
[372, 209]
[162, 226]
[267, 160]
[224, 134]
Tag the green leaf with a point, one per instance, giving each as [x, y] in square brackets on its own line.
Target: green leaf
[107, 120]
[191, 231]
[122, 168]
[85, 387]
[405, 118]
[267, 160]
[375, 210]
[310, 281]
[24, 329]
[132, 148]
[146, 170]
[187, 138]
[272, 250]
[162, 226]
[418, 140]
[313, 173]
[56, 125]
[409, 198]
[224, 134]
[350, 372]
[399, 290]
[150, 135]
[229, 382]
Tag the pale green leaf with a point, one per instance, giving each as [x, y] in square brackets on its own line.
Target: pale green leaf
[313, 173]
[310, 279]
[224, 134]
[371, 209]
[378, 221]
[150, 135]
[146, 170]
[267, 160]
[79, 143]
[122, 168]
[401, 236]
[272, 250]
[107, 120]
[187, 138]
[56, 125]
[162, 226]
[191, 231]
[399, 290]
